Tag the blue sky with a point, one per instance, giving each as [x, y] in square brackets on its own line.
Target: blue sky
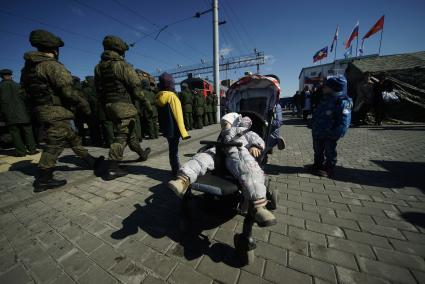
[289, 32]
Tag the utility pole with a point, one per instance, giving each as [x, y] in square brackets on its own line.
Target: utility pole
[216, 57]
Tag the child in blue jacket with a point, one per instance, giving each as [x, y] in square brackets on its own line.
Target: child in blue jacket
[330, 122]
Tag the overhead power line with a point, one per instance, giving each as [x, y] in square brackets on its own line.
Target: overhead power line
[49, 25]
[239, 38]
[148, 57]
[129, 26]
[236, 16]
[237, 62]
[160, 29]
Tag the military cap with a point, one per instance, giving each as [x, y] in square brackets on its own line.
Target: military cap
[114, 43]
[6, 72]
[44, 39]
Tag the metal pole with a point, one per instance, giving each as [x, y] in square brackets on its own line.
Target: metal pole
[336, 46]
[357, 46]
[216, 57]
[380, 41]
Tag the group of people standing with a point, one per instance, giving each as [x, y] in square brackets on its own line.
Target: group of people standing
[198, 110]
[306, 101]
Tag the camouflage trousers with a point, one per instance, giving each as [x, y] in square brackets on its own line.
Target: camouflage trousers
[188, 120]
[59, 135]
[125, 133]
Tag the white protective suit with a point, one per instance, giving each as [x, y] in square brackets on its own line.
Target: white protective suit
[239, 161]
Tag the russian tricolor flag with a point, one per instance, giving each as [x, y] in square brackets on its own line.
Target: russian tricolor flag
[353, 35]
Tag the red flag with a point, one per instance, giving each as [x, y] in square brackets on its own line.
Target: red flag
[379, 25]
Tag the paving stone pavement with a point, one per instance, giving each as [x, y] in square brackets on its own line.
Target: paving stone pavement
[366, 225]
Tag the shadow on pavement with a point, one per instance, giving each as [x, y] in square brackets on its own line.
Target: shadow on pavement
[404, 127]
[153, 173]
[397, 175]
[415, 218]
[160, 218]
[30, 169]
[75, 160]
[294, 121]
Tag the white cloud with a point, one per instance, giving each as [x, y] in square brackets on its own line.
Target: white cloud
[78, 11]
[224, 51]
[270, 59]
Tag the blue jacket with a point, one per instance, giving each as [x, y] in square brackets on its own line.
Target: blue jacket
[278, 118]
[332, 117]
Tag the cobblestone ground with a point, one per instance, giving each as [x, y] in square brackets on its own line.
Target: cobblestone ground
[364, 226]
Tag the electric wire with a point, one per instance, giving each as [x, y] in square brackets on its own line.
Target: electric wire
[159, 28]
[129, 26]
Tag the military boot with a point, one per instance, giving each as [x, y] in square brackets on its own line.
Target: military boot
[45, 181]
[262, 216]
[114, 171]
[179, 185]
[96, 164]
[143, 155]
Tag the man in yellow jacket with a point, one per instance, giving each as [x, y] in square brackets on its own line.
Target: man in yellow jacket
[170, 116]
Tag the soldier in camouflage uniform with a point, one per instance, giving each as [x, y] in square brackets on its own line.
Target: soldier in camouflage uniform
[117, 82]
[199, 106]
[79, 117]
[14, 108]
[150, 122]
[50, 89]
[186, 98]
[209, 108]
[93, 122]
[214, 113]
[106, 125]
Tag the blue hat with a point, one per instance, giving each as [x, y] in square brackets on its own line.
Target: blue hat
[336, 83]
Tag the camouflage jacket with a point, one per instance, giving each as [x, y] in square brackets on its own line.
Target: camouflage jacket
[199, 104]
[186, 99]
[123, 74]
[209, 103]
[45, 73]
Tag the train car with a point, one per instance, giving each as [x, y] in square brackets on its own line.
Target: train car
[204, 86]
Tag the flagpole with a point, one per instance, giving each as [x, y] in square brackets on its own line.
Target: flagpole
[357, 46]
[380, 41]
[336, 46]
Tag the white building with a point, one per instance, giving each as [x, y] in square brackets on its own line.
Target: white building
[313, 75]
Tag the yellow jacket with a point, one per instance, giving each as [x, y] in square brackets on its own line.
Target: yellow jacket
[167, 97]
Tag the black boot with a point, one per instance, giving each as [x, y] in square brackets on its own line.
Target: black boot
[143, 156]
[97, 164]
[115, 171]
[45, 181]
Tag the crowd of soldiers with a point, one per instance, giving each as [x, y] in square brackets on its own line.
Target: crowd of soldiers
[198, 110]
[118, 105]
